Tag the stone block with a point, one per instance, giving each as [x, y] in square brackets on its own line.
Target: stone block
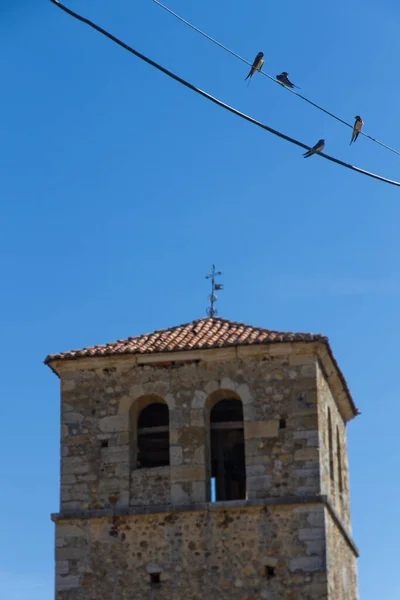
[122, 470]
[199, 456]
[311, 533]
[259, 483]
[255, 470]
[72, 418]
[305, 434]
[302, 359]
[62, 567]
[309, 488]
[160, 388]
[176, 455]
[123, 499]
[308, 564]
[197, 417]
[114, 424]
[71, 505]
[258, 460]
[115, 454]
[261, 429]
[244, 392]
[74, 465]
[316, 518]
[87, 478]
[306, 454]
[228, 384]
[124, 438]
[187, 473]
[68, 479]
[154, 568]
[177, 419]
[79, 491]
[199, 400]
[178, 494]
[67, 385]
[198, 491]
[69, 582]
[171, 401]
[174, 436]
[309, 370]
[210, 387]
[307, 472]
[69, 531]
[135, 391]
[71, 553]
[315, 547]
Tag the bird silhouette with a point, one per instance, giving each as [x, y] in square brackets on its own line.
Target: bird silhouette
[356, 129]
[256, 66]
[284, 80]
[319, 146]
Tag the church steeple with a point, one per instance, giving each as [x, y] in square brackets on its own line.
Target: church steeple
[205, 460]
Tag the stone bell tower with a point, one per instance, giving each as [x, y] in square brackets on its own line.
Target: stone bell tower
[207, 460]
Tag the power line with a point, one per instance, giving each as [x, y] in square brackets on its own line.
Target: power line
[214, 41]
[216, 100]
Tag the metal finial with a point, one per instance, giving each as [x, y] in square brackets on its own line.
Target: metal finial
[211, 310]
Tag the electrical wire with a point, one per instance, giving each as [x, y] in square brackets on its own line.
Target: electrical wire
[216, 100]
[214, 41]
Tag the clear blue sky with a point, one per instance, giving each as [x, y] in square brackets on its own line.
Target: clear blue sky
[119, 189]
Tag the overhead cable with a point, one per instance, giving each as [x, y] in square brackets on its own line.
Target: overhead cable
[214, 41]
[213, 99]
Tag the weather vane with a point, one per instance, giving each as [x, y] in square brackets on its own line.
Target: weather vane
[211, 310]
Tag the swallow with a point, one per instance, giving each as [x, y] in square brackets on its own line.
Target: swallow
[319, 146]
[257, 65]
[356, 129]
[284, 80]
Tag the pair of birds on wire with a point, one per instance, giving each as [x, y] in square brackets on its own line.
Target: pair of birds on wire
[284, 80]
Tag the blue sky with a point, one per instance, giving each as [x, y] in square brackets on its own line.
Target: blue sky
[119, 189]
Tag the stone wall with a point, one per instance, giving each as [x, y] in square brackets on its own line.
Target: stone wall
[342, 563]
[329, 485]
[230, 553]
[283, 541]
[279, 395]
[150, 483]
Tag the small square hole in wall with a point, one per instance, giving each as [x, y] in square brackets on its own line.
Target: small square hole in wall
[270, 572]
[282, 423]
[104, 443]
[155, 579]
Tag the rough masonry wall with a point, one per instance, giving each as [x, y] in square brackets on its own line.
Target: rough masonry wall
[215, 554]
[341, 501]
[342, 564]
[98, 467]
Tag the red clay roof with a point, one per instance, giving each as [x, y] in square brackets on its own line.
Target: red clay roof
[202, 334]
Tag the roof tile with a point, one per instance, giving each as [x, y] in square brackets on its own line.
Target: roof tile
[210, 332]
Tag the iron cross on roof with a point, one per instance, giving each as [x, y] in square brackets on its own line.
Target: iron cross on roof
[211, 310]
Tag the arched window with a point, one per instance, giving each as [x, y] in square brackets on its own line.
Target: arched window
[153, 436]
[339, 454]
[330, 442]
[228, 468]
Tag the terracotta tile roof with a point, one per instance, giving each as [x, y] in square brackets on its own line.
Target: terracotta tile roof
[202, 334]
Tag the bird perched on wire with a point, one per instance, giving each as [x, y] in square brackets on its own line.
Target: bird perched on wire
[319, 146]
[257, 65]
[284, 80]
[356, 129]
